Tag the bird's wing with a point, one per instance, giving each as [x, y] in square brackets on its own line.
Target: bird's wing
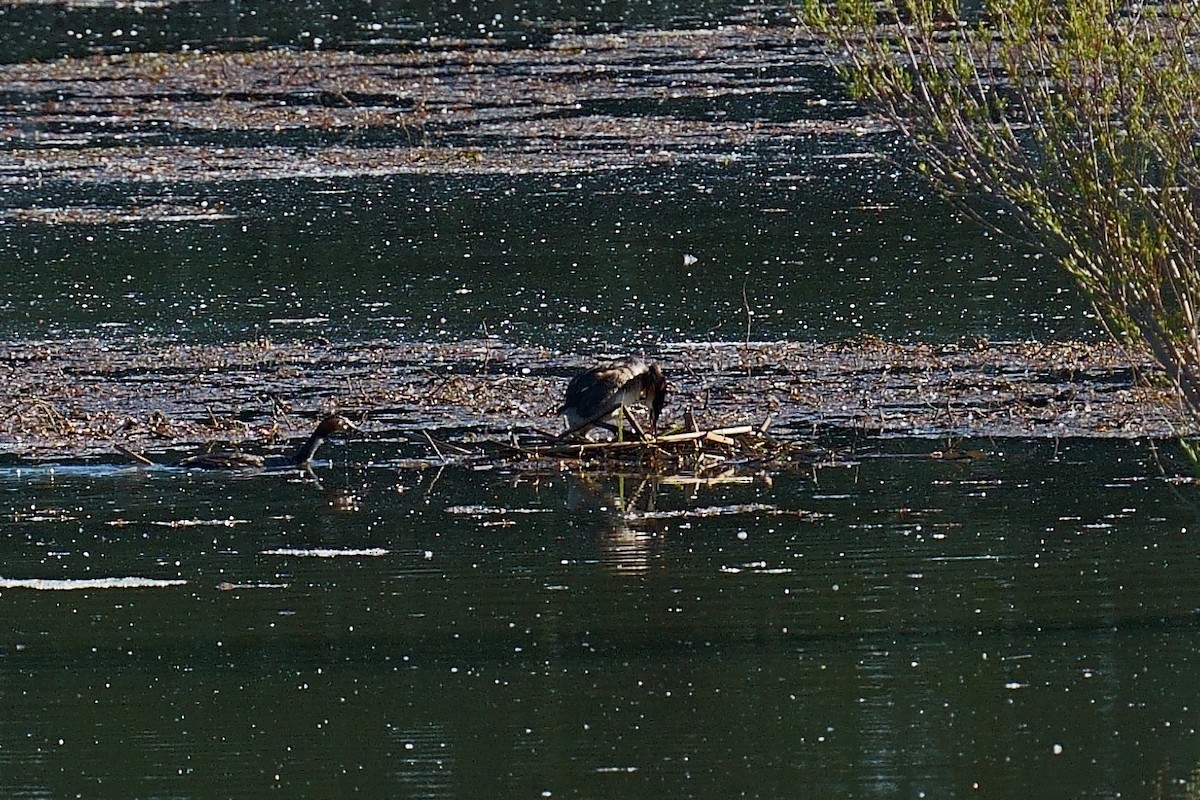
[228, 459]
[587, 390]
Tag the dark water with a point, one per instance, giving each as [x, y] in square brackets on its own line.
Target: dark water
[884, 629]
[47, 30]
[823, 250]
[1019, 626]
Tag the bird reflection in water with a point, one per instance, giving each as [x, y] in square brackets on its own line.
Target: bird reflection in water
[626, 546]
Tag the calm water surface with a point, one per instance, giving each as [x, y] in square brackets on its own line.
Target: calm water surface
[1024, 625]
[41, 30]
[567, 262]
[888, 628]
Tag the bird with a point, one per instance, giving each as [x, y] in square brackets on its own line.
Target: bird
[235, 459]
[596, 396]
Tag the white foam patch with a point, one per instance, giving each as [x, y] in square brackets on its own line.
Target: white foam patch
[493, 510]
[757, 570]
[69, 584]
[197, 523]
[326, 552]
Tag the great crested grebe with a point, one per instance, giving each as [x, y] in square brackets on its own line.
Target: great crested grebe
[235, 459]
[596, 396]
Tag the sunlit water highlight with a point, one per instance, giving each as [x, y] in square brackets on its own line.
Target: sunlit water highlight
[86, 583]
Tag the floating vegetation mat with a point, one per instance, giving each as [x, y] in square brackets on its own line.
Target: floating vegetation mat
[565, 103]
[73, 398]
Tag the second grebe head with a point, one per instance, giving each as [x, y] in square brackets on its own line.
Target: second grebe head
[335, 423]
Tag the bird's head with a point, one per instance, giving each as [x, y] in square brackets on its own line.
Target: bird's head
[336, 423]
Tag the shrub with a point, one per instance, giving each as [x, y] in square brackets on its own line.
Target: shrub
[1069, 124]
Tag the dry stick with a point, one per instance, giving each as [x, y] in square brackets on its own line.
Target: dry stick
[466, 456]
[138, 457]
[716, 436]
[738, 430]
[460, 450]
[590, 421]
[433, 444]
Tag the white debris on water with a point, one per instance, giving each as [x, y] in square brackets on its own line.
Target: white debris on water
[68, 584]
[493, 510]
[198, 523]
[326, 552]
[757, 567]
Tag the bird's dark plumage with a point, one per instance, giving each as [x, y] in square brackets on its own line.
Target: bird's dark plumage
[593, 397]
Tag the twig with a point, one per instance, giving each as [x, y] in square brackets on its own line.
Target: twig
[433, 444]
[138, 457]
[746, 308]
[587, 422]
[634, 424]
[738, 430]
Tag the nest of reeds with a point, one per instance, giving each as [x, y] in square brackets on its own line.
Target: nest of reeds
[693, 450]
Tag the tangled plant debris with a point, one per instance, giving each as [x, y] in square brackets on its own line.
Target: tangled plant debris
[74, 398]
[706, 455]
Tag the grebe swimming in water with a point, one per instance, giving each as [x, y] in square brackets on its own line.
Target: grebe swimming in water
[235, 459]
[596, 396]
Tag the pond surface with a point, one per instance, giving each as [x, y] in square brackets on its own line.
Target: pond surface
[571, 262]
[1018, 624]
[891, 627]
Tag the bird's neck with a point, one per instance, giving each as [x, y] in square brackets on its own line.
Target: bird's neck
[645, 383]
[306, 451]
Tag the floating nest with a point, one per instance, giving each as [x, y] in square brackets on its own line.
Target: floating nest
[691, 452]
